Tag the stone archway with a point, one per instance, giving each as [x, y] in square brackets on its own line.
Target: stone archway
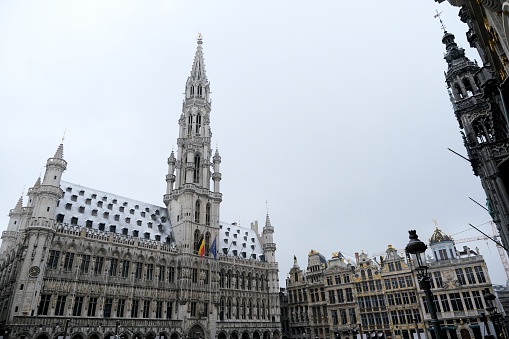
[245, 335]
[77, 336]
[94, 336]
[256, 335]
[221, 335]
[196, 332]
[174, 336]
[150, 335]
[42, 336]
[275, 335]
[465, 334]
[234, 335]
[266, 335]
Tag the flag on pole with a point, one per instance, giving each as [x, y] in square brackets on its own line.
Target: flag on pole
[213, 249]
[202, 247]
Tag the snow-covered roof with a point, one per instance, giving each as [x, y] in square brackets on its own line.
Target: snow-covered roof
[108, 212]
[235, 240]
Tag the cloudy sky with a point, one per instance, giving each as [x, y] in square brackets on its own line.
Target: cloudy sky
[335, 112]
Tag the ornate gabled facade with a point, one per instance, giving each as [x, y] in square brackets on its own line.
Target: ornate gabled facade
[91, 264]
[459, 279]
[366, 299]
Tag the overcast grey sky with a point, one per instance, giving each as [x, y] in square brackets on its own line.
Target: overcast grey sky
[335, 112]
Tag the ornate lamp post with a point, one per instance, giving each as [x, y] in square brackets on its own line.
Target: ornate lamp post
[495, 316]
[415, 250]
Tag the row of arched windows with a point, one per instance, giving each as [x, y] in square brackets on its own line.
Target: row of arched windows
[197, 208]
[198, 237]
[197, 127]
[241, 309]
[241, 281]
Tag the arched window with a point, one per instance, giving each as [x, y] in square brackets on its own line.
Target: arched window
[237, 277]
[207, 243]
[242, 282]
[197, 238]
[191, 90]
[237, 313]
[200, 90]
[370, 275]
[189, 125]
[363, 275]
[207, 214]
[229, 309]
[250, 310]
[221, 309]
[196, 176]
[198, 124]
[221, 279]
[229, 279]
[197, 211]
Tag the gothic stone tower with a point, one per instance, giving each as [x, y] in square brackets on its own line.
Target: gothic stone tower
[193, 206]
[481, 117]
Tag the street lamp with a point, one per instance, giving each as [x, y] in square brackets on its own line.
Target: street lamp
[491, 307]
[416, 252]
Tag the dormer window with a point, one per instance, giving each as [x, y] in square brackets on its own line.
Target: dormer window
[69, 189]
[114, 201]
[99, 204]
[105, 198]
[88, 201]
[125, 231]
[138, 222]
[82, 192]
[74, 197]
[147, 235]
[94, 196]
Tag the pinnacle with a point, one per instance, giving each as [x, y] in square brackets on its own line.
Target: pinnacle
[37, 182]
[198, 70]
[19, 205]
[267, 221]
[60, 152]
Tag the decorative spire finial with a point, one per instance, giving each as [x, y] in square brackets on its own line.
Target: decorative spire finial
[439, 18]
[435, 221]
[267, 206]
[63, 136]
[199, 39]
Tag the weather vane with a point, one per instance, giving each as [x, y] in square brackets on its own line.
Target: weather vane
[63, 136]
[435, 221]
[267, 206]
[440, 18]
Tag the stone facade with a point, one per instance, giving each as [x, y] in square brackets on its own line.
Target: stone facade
[480, 97]
[372, 298]
[91, 264]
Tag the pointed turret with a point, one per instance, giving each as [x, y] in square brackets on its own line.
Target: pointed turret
[45, 197]
[269, 247]
[59, 154]
[37, 182]
[216, 176]
[19, 205]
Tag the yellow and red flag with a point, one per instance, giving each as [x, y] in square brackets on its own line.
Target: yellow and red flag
[202, 248]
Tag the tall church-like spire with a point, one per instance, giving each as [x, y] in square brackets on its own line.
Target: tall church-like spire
[194, 207]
